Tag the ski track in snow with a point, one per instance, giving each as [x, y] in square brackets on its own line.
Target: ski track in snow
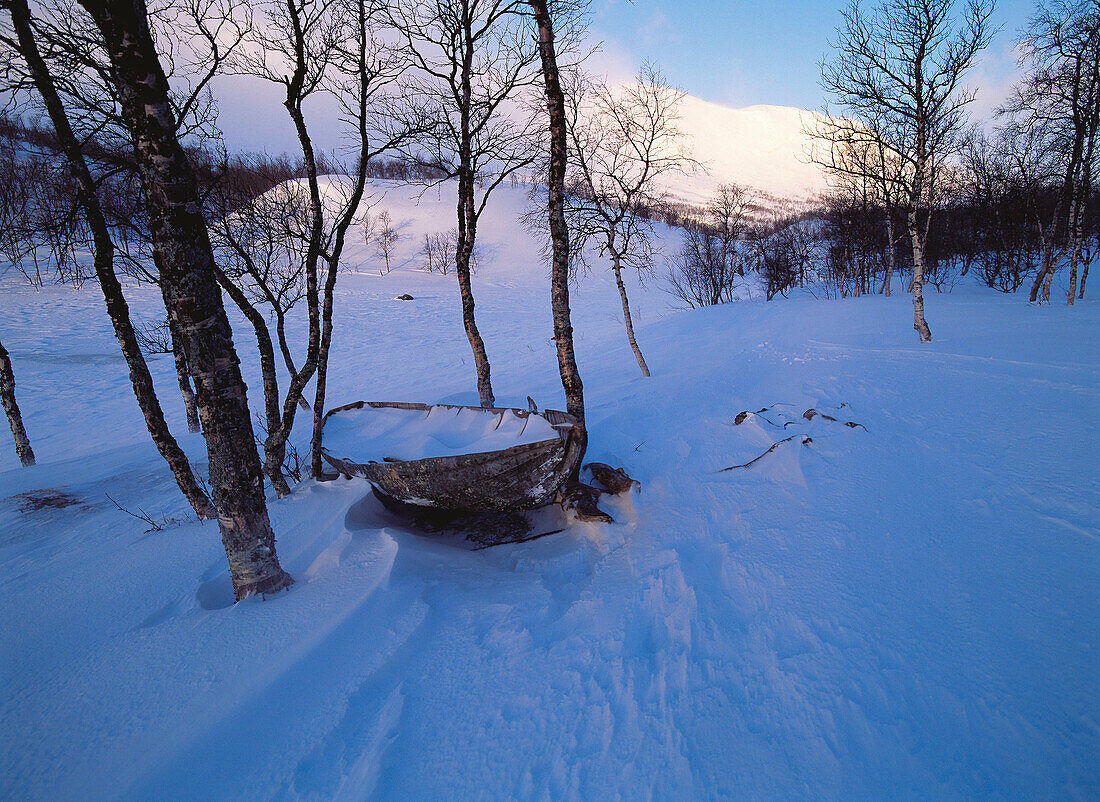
[906, 610]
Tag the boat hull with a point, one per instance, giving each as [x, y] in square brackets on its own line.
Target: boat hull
[516, 478]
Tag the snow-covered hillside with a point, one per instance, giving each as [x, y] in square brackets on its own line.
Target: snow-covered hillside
[903, 608]
[765, 148]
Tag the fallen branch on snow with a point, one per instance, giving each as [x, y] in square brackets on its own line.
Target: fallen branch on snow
[806, 440]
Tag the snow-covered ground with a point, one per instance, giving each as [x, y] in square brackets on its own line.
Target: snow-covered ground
[903, 609]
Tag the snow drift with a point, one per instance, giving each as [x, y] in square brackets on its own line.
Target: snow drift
[907, 608]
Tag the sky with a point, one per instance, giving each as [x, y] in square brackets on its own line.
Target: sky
[733, 52]
[740, 53]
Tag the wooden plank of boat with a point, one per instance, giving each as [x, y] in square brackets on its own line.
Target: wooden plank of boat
[517, 478]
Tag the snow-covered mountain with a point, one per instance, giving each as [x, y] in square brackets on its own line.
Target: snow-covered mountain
[765, 148]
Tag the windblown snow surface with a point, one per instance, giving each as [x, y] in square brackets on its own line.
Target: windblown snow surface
[373, 434]
[905, 609]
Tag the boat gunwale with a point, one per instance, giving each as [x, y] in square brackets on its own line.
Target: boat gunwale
[560, 429]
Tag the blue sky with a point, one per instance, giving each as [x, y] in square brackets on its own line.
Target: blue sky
[741, 53]
[733, 52]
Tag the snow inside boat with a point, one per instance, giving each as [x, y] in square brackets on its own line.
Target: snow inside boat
[458, 458]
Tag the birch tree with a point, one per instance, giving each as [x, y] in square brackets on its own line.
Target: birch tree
[472, 60]
[191, 294]
[385, 239]
[196, 36]
[558, 227]
[897, 75]
[863, 166]
[1060, 98]
[624, 140]
[311, 48]
[38, 74]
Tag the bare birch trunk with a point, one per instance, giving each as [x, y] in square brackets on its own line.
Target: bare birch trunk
[184, 380]
[1075, 251]
[322, 364]
[1077, 223]
[103, 260]
[284, 347]
[559, 231]
[1052, 254]
[11, 408]
[276, 439]
[339, 235]
[891, 255]
[1047, 281]
[919, 323]
[1071, 217]
[467, 230]
[626, 317]
[273, 452]
[467, 216]
[192, 296]
[1047, 259]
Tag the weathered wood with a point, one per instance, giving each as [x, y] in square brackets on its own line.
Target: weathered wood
[582, 500]
[615, 480]
[183, 378]
[806, 440]
[517, 478]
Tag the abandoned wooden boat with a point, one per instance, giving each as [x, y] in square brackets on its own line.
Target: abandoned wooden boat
[454, 458]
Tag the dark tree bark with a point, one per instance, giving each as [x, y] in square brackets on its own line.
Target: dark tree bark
[467, 211]
[559, 231]
[192, 296]
[368, 73]
[290, 31]
[273, 453]
[184, 380]
[296, 93]
[332, 47]
[315, 463]
[11, 409]
[103, 259]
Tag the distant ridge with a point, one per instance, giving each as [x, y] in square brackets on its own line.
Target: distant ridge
[761, 147]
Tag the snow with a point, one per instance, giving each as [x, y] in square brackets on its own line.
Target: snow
[906, 608]
[372, 434]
